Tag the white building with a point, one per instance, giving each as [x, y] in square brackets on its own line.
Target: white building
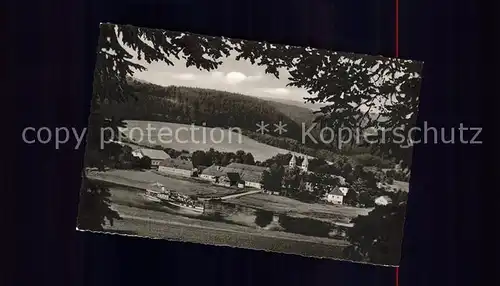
[156, 156]
[304, 166]
[293, 162]
[212, 173]
[382, 200]
[344, 190]
[335, 197]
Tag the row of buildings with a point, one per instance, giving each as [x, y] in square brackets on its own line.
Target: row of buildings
[233, 175]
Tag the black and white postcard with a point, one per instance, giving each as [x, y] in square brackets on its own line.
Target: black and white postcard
[248, 144]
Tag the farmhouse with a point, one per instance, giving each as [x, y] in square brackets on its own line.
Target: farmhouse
[382, 201]
[156, 156]
[225, 181]
[212, 173]
[176, 167]
[251, 175]
[335, 197]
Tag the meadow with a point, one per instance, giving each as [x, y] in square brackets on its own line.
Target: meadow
[154, 224]
[191, 186]
[280, 204]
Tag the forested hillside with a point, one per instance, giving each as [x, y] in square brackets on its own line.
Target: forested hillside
[210, 107]
[214, 108]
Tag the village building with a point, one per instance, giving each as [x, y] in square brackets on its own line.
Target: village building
[382, 201]
[293, 162]
[249, 175]
[276, 193]
[212, 173]
[344, 190]
[176, 167]
[335, 197]
[225, 181]
[156, 156]
[304, 167]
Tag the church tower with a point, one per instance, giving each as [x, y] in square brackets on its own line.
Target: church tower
[293, 162]
[305, 164]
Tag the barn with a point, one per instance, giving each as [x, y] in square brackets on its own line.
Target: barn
[156, 156]
[212, 173]
[176, 167]
[250, 175]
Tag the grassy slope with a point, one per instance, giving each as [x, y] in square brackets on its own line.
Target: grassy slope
[189, 230]
[187, 186]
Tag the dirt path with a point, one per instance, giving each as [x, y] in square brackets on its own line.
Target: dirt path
[240, 195]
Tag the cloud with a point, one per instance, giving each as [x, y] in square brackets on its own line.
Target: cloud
[217, 74]
[184, 76]
[235, 77]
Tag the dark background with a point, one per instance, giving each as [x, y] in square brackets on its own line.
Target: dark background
[51, 53]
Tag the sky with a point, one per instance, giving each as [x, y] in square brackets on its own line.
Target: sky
[239, 76]
[233, 75]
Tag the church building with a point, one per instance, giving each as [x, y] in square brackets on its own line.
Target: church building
[304, 166]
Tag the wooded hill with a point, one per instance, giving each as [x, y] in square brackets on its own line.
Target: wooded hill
[213, 108]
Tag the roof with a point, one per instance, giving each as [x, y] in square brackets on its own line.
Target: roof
[177, 164]
[214, 170]
[336, 192]
[246, 167]
[344, 224]
[386, 198]
[249, 173]
[154, 154]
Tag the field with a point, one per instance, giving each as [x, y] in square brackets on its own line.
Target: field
[298, 208]
[139, 218]
[143, 179]
[194, 140]
[190, 186]
[171, 227]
